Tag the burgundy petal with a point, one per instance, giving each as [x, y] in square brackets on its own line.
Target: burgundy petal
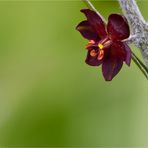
[87, 31]
[95, 21]
[111, 67]
[122, 51]
[128, 54]
[117, 27]
[92, 61]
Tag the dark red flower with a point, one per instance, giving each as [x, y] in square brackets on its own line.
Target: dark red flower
[105, 42]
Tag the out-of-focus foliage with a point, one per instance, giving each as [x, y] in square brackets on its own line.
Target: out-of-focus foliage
[49, 96]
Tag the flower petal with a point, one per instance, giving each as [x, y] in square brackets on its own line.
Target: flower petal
[128, 54]
[111, 67]
[95, 21]
[117, 27]
[87, 31]
[92, 61]
[122, 51]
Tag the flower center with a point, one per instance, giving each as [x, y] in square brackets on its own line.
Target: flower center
[105, 43]
[102, 45]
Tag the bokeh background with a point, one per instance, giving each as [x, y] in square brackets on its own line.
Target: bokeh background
[49, 96]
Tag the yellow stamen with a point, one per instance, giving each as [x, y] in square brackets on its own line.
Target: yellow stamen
[100, 46]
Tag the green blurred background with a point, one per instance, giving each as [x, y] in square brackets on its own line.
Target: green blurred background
[49, 96]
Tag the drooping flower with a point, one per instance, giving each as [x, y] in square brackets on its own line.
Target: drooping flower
[106, 44]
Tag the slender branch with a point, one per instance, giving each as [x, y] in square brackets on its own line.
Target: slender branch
[130, 40]
[133, 15]
[138, 26]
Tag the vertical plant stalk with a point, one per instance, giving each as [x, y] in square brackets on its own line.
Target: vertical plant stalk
[139, 30]
[141, 66]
